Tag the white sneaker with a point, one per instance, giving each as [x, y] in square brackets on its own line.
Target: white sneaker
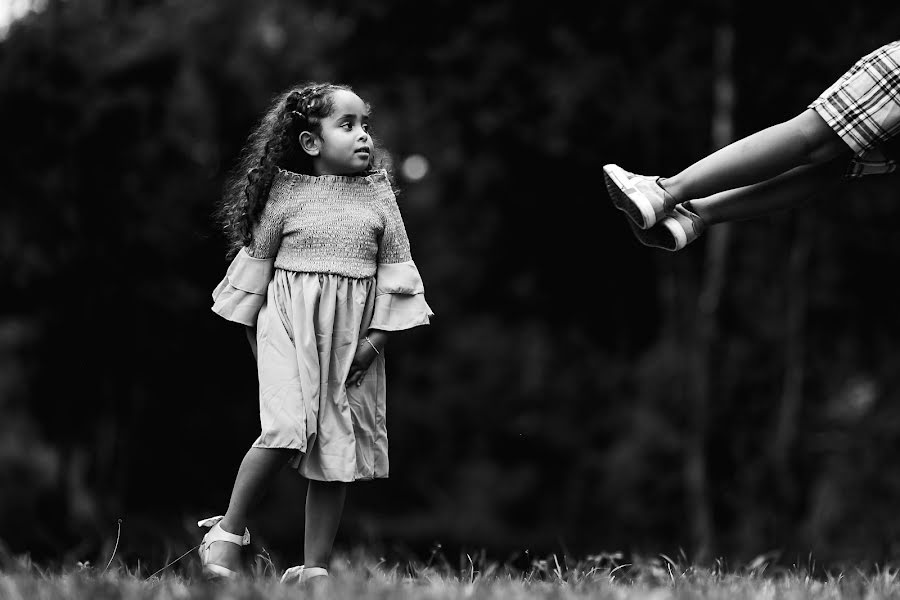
[678, 228]
[640, 196]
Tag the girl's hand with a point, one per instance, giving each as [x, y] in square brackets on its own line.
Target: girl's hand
[365, 354]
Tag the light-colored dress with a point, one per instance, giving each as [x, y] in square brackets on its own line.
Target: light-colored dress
[329, 260]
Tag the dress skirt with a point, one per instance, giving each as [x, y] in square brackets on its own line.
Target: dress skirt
[308, 328]
[307, 334]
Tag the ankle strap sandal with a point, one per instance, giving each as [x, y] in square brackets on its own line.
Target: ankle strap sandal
[303, 573]
[217, 534]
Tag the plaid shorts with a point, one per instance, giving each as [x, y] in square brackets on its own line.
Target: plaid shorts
[863, 108]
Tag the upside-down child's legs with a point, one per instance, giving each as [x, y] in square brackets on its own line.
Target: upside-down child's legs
[778, 193]
[804, 140]
[254, 475]
[324, 507]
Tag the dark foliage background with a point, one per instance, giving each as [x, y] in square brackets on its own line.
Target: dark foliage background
[576, 393]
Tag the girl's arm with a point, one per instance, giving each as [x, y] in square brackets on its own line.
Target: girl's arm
[378, 337]
[365, 354]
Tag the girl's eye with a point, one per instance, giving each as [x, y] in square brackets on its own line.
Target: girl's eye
[365, 127]
[348, 126]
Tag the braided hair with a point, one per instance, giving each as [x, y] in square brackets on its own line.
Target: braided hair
[273, 144]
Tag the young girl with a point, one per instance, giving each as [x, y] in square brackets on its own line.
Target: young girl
[849, 131]
[322, 273]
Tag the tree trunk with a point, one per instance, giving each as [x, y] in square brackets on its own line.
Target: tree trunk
[794, 364]
[706, 329]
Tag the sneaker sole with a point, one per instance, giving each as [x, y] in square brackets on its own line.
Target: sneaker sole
[661, 236]
[636, 206]
[679, 236]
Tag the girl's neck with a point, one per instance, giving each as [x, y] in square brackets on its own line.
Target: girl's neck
[317, 175]
[318, 172]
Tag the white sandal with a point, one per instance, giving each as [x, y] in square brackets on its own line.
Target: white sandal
[303, 573]
[217, 534]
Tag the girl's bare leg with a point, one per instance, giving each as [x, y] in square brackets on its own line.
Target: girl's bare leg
[254, 475]
[781, 192]
[802, 141]
[324, 507]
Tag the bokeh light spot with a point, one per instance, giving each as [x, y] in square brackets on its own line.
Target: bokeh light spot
[414, 167]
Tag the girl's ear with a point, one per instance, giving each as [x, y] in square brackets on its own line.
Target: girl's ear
[310, 143]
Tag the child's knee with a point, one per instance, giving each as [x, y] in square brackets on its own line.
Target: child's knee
[821, 143]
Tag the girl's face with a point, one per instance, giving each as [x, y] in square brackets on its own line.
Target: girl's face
[344, 146]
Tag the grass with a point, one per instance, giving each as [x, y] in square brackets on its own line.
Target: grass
[361, 576]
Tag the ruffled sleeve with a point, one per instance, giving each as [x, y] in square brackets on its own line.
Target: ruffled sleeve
[242, 293]
[399, 298]
[399, 291]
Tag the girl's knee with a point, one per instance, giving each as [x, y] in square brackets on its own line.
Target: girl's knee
[821, 143]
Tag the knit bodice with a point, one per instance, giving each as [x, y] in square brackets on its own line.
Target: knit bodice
[346, 225]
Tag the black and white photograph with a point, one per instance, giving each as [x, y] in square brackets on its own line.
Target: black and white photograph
[423, 300]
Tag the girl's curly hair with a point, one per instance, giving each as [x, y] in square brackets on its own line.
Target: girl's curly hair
[274, 143]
